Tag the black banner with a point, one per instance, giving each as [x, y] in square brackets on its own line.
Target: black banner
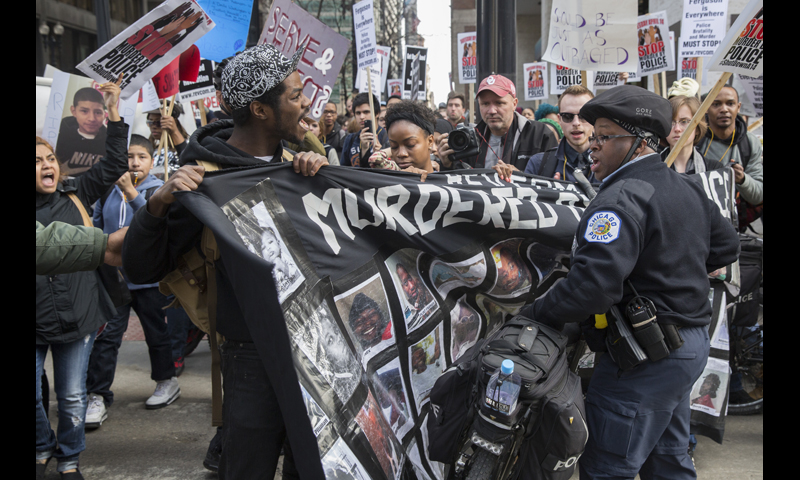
[382, 281]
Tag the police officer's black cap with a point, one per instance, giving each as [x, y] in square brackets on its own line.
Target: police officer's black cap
[633, 105]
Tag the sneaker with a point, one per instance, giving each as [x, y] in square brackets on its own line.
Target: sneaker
[42, 467]
[179, 364]
[167, 391]
[96, 412]
[76, 475]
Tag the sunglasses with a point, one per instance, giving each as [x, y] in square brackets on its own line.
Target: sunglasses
[569, 117]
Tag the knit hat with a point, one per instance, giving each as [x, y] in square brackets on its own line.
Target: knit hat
[544, 110]
[555, 124]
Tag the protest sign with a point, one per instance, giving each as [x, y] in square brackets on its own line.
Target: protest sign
[687, 62]
[702, 26]
[435, 266]
[535, 81]
[754, 91]
[655, 49]
[562, 77]
[415, 59]
[203, 87]
[166, 81]
[147, 46]
[606, 79]
[374, 75]
[592, 35]
[364, 23]
[384, 53]
[150, 100]
[230, 34]
[75, 121]
[467, 48]
[395, 86]
[289, 26]
[742, 49]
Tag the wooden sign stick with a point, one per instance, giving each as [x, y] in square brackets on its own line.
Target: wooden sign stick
[372, 108]
[755, 124]
[712, 95]
[166, 112]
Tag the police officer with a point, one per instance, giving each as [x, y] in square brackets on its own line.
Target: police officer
[656, 230]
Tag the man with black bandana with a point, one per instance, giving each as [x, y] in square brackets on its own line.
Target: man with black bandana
[264, 93]
[653, 230]
[507, 139]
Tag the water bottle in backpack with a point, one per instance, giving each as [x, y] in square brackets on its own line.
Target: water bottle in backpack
[502, 392]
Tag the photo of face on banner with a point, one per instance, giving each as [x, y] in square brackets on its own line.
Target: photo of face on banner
[320, 339]
[379, 435]
[391, 395]
[260, 235]
[416, 300]
[426, 363]
[447, 276]
[341, 464]
[368, 320]
[708, 392]
[465, 325]
[496, 313]
[513, 276]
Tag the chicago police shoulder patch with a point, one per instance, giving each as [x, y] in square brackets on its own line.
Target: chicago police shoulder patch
[603, 227]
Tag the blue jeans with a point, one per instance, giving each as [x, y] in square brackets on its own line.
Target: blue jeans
[148, 304]
[178, 323]
[70, 361]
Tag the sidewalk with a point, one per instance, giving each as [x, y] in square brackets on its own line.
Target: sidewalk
[170, 443]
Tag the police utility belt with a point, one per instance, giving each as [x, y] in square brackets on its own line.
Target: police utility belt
[636, 336]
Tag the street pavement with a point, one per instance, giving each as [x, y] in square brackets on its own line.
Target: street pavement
[170, 443]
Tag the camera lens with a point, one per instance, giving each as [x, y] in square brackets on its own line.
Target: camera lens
[458, 140]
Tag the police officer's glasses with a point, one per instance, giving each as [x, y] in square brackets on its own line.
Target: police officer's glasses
[601, 139]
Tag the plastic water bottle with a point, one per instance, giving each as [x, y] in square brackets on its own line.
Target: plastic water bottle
[502, 392]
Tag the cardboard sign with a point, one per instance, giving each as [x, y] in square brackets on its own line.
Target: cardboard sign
[754, 90]
[702, 26]
[535, 81]
[233, 25]
[562, 77]
[203, 87]
[655, 49]
[384, 53]
[414, 73]
[75, 121]
[375, 75]
[467, 48]
[147, 46]
[287, 27]
[366, 47]
[742, 49]
[592, 35]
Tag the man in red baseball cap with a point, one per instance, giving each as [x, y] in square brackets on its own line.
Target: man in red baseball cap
[506, 139]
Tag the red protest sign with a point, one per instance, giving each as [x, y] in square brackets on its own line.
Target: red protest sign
[189, 64]
[167, 81]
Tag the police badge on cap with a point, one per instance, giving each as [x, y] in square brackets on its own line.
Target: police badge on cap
[255, 71]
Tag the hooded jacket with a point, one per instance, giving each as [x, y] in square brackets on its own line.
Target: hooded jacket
[752, 189]
[163, 240]
[528, 138]
[116, 213]
[70, 306]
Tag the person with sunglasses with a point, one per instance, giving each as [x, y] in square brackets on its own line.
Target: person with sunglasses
[631, 242]
[572, 151]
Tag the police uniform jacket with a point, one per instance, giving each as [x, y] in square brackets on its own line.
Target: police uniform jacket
[655, 227]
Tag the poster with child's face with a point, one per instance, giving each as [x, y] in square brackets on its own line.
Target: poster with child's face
[426, 363]
[416, 301]
[513, 276]
[367, 318]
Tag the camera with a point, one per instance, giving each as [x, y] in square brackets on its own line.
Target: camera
[463, 141]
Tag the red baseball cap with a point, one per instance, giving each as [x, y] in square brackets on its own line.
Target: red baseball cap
[499, 85]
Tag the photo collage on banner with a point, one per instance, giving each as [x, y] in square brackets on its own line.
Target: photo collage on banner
[369, 343]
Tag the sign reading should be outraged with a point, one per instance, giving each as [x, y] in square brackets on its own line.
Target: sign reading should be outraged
[655, 49]
[147, 46]
[535, 81]
[382, 283]
[742, 49]
[702, 26]
[288, 27]
[592, 35]
[414, 73]
[467, 49]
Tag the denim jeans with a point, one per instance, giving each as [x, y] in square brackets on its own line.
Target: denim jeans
[148, 304]
[178, 323]
[70, 361]
[253, 431]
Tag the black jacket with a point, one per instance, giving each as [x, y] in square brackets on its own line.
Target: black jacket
[162, 241]
[527, 139]
[655, 227]
[69, 306]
